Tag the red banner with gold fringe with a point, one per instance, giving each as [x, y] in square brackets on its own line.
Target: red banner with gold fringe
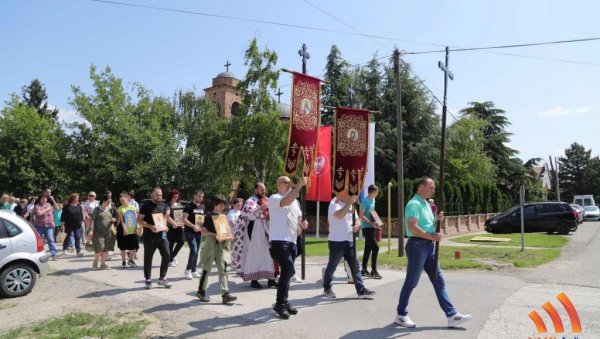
[305, 119]
[351, 142]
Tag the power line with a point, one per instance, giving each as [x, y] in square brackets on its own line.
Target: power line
[361, 34]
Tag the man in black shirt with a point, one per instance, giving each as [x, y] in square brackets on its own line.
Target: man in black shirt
[155, 237]
[192, 232]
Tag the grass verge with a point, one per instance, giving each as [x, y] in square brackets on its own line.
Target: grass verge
[477, 257]
[531, 240]
[83, 324]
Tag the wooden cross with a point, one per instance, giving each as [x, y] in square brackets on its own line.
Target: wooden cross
[278, 94]
[227, 66]
[305, 56]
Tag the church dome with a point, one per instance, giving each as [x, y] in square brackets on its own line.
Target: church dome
[226, 75]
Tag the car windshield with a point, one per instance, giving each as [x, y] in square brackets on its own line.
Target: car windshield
[590, 208]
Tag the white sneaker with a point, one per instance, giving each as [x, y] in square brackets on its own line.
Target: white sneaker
[196, 275]
[296, 279]
[458, 319]
[404, 321]
[172, 264]
[188, 274]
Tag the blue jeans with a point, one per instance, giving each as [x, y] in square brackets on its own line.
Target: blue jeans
[193, 239]
[48, 233]
[337, 250]
[284, 252]
[73, 235]
[421, 255]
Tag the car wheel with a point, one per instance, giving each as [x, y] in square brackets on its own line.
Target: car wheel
[506, 228]
[17, 280]
[563, 228]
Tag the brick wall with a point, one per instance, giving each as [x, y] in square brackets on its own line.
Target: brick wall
[452, 225]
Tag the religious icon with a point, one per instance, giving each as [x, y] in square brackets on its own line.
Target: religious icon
[222, 228]
[377, 219]
[199, 220]
[159, 221]
[177, 215]
[352, 135]
[306, 106]
[130, 219]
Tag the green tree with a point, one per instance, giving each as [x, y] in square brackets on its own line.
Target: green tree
[125, 140]
[34, 95]
[465, 152]
[574, 171]
[32, 150]
[335, 90]
[261, 79]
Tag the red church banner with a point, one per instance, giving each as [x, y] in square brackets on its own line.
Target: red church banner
[305, 119]
[321, 178]
[350, 150]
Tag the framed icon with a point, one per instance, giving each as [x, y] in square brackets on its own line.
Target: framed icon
[130, 220]
[159, 221]
[199, 220]
[177, 215]
[222, 228]
[377, 219]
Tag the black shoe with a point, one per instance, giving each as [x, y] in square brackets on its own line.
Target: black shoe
[132, 264]
[227, 298]
[148, 284]
[365, 273]
[375, 275]
[256, 284]
[202, 296]
[281, 310]
[366, 294]
[272, 283]
[290, 309]
[123, 264]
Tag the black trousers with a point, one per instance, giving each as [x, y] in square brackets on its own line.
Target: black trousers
[371, 249]
[176, 240]
[152, 242]
[284, 253]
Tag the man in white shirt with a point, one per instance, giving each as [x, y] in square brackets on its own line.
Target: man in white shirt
[286, 224]
[341, 229]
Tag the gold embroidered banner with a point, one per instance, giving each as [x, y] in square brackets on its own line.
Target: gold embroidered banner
[350, 150]
[305, 119]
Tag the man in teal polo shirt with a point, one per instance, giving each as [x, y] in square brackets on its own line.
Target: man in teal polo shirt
[420, 230]
[368, 226]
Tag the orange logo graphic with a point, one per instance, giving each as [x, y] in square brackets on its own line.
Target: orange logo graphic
[554, 316]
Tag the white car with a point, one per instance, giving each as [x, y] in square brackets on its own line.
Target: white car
[22, 256]
[592, 213]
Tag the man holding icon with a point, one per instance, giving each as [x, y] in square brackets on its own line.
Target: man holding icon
[152, 217]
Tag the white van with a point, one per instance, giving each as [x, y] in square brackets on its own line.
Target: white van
[584, 200]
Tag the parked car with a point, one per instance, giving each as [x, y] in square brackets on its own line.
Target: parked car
[584, 200]
[22, 256]
[547, 217]
[592, 213]
[580, 212]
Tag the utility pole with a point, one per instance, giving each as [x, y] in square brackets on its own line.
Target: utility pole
[447, 74]
[400, 153]
[557, 183]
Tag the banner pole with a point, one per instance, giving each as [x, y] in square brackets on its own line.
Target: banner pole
[389, 217]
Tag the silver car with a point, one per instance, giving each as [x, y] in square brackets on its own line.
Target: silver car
[592, 213]
[22, 255]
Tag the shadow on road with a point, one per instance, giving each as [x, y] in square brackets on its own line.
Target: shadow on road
[395, 331]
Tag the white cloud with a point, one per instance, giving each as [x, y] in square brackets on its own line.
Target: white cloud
[560, 111]
[66, 115]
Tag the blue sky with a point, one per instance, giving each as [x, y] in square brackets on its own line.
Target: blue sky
[550, 104]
